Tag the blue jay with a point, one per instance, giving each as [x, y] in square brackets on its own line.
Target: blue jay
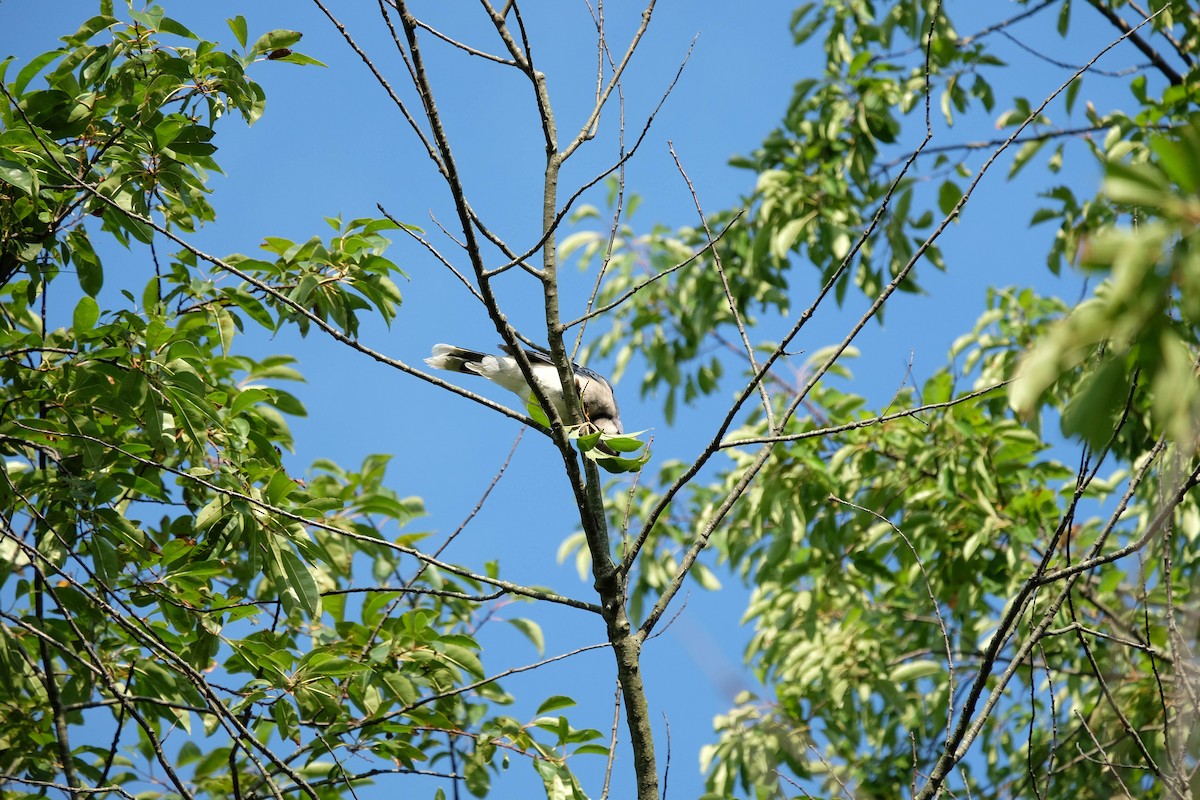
[595, 392]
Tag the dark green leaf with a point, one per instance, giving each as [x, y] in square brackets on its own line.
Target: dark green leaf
[31, 69]
[87, 265]
[238, 26]
[87, 311]
[554, 704]
[168, 25]
[1071, 93]
[299, 582]
[301, 59]
[90, 28]
[948, 196]
[18, 176]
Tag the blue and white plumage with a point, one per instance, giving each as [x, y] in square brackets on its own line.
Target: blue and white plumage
[595, 392]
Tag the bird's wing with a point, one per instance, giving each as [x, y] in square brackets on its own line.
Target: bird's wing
[538, 357]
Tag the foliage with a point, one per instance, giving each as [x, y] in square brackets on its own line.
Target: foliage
[915, 598]
[1146, 314]
[165, 569]
[898, 561]
[980, 585]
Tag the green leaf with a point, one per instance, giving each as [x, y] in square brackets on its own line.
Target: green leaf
[1093, 409]
[1025, 152]
[193, 141]
[90, 28]
[87, 311]
[275, 40]
[1064, 18]
[1071, 93]
[208, 515]
[536, 413]
[326, 664]
[705, 577]
[105, 559]
[87, 265]
[625, 443]
[176, 28]
[1176, 391]
[1180, 159]
[914, 670]
[280, 487]
[18, 175]
[1136, 184]
[588, 441]
[287, 721]
[618, 465]
[299, 582]
[304, 289]
[949, 194]
[31, 69]
[238, 26]
[591, 750]
[166, 131]
[476, 777]
[301, 59]
[532, 631]
[554, 703]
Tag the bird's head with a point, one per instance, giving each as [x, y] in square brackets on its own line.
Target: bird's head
[599, 402]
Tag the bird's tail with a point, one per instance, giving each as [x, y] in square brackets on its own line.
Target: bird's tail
[455, 359]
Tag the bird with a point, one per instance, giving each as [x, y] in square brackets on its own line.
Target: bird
[595, 392]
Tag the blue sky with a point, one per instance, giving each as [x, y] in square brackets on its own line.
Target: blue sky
[331, 143]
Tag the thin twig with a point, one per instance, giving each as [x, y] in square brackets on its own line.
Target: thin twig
[351, 534]
[552, 227]
[470, 687]
[864, 423]
[430, 150]
[937, 611]
[1131, 32]
[733, 309]
[657, 277]
[465, 47]
[612, 743]
[602, 52]
[432, 251]
[1112, 768]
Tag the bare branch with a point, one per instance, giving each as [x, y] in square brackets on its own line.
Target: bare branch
[1113, 768]
[602, 53]
[350, 534]
[612, 738]
[552, 226]
[864, 423]
[1085, 130]
[1130, 32]
[465, 47]
[631, 292]
[1180, 49]
[614, 79]
[733, 309]
[1121, 73]
[387, 87]
[433, 251]
[937, 610]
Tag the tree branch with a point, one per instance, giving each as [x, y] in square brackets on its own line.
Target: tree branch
[1130, 32]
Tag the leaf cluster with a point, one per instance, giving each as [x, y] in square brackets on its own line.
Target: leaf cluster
[166, 570]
